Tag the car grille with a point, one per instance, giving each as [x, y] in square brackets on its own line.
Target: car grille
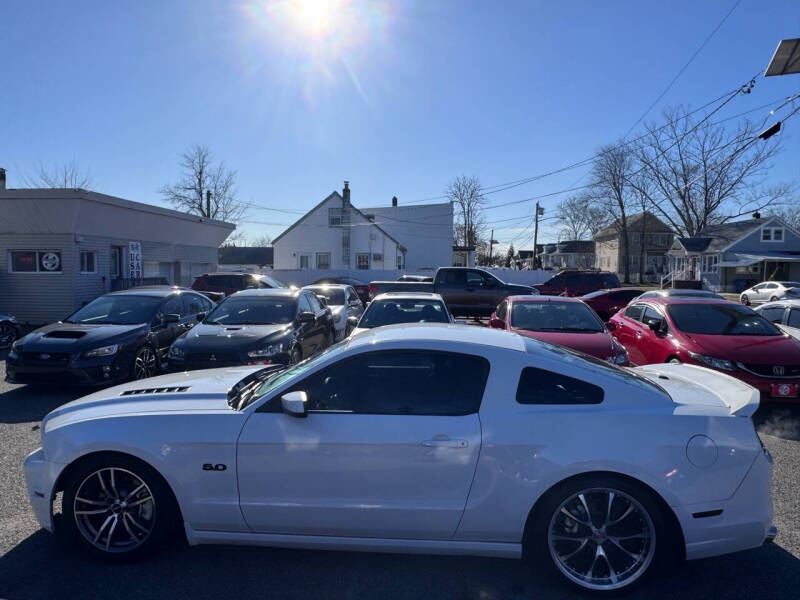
[769, 370]
[45, 358]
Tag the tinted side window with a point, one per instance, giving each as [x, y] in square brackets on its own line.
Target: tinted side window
[538, 386]
[194, 304]
[774, 313]
[634, 312]
[572, 279]
[454, 277]
[314, 302]
[400, 383]
[651, 315]
[610, 280]
[173, 306]
[303, 305]
[501, 310]
[794, 318]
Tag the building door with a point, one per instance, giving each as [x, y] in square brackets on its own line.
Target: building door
[116, 266]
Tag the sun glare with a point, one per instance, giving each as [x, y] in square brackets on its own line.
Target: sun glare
[317, 16]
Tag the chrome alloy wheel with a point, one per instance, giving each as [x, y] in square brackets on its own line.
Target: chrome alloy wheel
[144, 365]
[601, 539]
[114, 510]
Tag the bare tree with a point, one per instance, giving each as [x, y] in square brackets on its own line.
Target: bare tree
[611, 192]
[580, 217]
[205, 189]
[701, 173]
[790, 213]
[66, 175]
[263, 240]
[466, 193]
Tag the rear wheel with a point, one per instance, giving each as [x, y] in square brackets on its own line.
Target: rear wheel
[8, 334]
[674, 360]
[773, 299]
[745, 300]
[601, 534]
[117, 507]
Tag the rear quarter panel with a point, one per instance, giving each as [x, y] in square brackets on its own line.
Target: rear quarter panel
[527, 449]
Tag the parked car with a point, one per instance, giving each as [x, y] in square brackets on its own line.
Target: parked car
[559, 320]
[422, 278]
[344, 303]
[606, 302]
[230, 283]
[784, 313]
[770, 291]
[119, 336]
[265, 326]
[718, 334]
[10, 331]
[393, 308]
[467, 292]
[432, 439]
[361, 288]
[680, 293]
[577, 283]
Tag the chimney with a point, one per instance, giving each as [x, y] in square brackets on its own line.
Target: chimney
[756, 215]
[346, 194]
[394, 200]
[2, 179]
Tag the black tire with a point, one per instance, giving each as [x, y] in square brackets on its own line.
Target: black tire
[144, 363]
[647, 555]
[144, 519]
[773, 299]
[745, 300]
[8, 334]
[674, 360]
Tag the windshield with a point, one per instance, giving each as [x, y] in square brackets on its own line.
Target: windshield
[392, 312]
[720, 319]
[555, 316]
[252, 310]
[272, 282]
[595, 294]
[334, 296]
[123, 309]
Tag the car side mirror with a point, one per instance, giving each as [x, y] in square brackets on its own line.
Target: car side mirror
[497, 323]
[201, 317]
[352, 321]
[294, 404]
[306, 317]
[172, 318]
[611, 326]
[658, 327]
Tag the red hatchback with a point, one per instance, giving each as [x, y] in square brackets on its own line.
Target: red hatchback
[607, 302]
[718, 334]
[559, 320]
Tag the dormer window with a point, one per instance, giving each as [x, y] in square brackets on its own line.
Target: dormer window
[772, 234]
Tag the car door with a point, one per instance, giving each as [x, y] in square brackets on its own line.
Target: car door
[194, 305]
[770, 290]
[451, 284]
[628, 325]
[355, 308]
[653, 344]
[793, 320]
[165, 331]
[484, 292]
[388, 449]
[305, 335]
[322, 322]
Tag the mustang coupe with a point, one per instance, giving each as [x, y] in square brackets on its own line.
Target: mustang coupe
[261, 326]
[421, 438]
[119, 336]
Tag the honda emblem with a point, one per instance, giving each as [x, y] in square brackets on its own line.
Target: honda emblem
[778, 370]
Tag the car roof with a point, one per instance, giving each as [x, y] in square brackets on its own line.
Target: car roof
[534, 298]
[287, 292]
[154, 291]
[787, 302]
[445, 332]
[231, 273]
[329, 286]
[668, 300]
[408, 296]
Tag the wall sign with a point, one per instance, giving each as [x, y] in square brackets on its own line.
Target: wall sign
[135, 260]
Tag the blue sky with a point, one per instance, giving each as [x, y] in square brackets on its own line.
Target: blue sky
[398, 97]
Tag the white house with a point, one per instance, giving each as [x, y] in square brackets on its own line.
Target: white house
[337, 235]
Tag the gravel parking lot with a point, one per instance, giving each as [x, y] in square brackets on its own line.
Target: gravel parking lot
[33, 564]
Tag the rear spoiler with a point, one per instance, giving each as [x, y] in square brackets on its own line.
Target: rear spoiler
[699, 386]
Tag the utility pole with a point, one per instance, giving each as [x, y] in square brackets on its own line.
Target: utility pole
[491, 244]
[539, 211]
[208, 204]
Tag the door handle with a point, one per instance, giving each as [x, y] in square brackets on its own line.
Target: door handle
[448, 443]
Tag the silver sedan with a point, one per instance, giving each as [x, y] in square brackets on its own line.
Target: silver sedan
[344, 303]
[770, 291]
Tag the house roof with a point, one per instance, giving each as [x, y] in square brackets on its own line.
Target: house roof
[574, 247]
[646, 221]
[694, 244]
[324, 200]
[246, 255]
[716, 238]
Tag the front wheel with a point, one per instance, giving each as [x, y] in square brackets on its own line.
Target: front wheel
[145, 363]
[117, 507]
[8, 334]
[601, 534]
[675, 361]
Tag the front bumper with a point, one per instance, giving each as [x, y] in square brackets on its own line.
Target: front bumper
[75, 371]
[764, 385]
[40, 477]
[193, 364]
[745, 520]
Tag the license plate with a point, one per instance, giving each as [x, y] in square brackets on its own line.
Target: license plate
[784, 390]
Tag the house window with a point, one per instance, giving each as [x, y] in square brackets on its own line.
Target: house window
[377, 258]
[400, 264]
[305, 259]
[88, 262]
[772, 234]
[34, 261]
[362, 261]
[334, 217]
[323, 260]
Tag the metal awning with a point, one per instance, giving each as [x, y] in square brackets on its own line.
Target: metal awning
[742, 262]
[745, 259]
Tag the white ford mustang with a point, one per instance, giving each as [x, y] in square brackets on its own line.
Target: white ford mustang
[424, 438]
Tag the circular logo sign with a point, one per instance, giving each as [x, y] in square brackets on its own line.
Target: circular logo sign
[784, 390]
[50, 261]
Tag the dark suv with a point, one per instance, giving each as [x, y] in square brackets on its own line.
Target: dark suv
[230, 283]
[577, 283]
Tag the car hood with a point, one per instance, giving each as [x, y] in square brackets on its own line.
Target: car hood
[230, 337]
[74, 337]
[754, 349]
[599, 345]
[191, 391]
[521, 290]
